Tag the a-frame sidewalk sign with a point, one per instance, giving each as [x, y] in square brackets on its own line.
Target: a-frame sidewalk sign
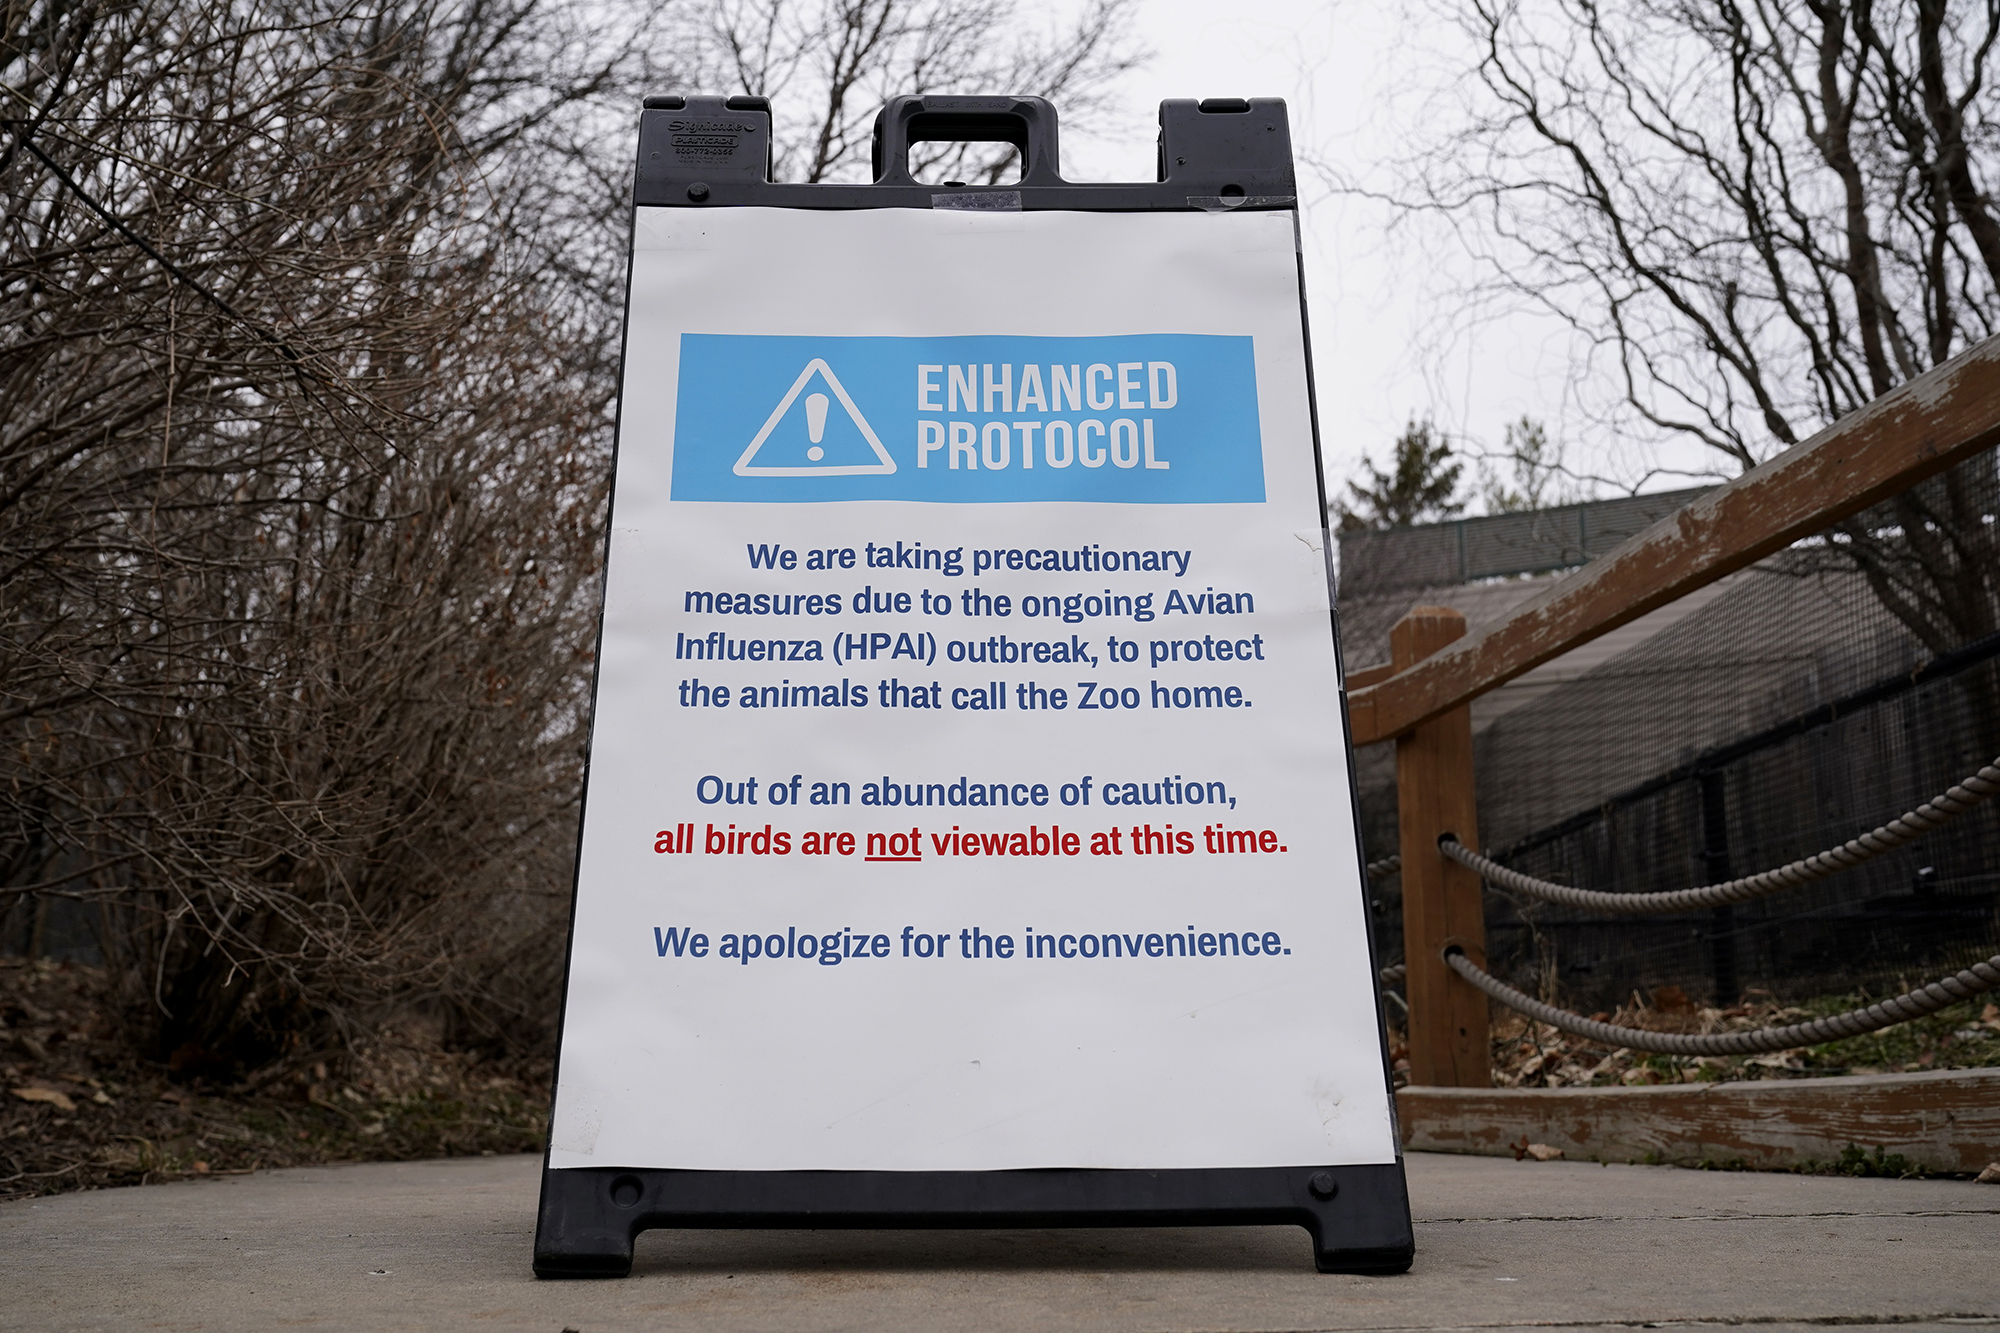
[969, 837]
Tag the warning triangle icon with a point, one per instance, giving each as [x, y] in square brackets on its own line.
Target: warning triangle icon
[804, 437]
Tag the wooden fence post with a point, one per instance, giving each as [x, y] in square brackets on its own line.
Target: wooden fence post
[1449, 1044]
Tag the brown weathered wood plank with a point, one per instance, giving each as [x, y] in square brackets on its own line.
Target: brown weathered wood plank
[1360, 678]
[1943, 1120]
[1911, 433]
[1443, 902]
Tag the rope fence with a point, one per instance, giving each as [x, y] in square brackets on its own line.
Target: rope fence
[1908, 827]
[1932, 814]
[1974, 980]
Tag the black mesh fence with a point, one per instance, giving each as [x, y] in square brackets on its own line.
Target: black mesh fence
[1497, 545]
[1817, 695]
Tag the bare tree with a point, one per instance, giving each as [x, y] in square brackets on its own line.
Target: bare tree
[1540, 478]
[1757, 215]
[308, 318]
[303, 421]
[829, 65]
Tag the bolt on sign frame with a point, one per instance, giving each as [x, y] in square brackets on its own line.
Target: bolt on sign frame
[976, 533]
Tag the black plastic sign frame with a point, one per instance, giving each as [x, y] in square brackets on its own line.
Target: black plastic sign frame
[1218, 155]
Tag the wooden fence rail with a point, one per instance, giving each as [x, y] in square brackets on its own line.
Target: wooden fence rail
[1907, 435]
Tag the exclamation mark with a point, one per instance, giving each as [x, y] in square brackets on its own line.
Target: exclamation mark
[816, 424]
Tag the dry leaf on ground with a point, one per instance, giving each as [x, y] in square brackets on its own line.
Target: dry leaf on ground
[92, 1114]
[1990, 1176]
[56, 1099]
[1541, 1152]
[1672, 1000]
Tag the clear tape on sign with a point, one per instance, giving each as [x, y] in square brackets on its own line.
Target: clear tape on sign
[980, 201]
[1226, 203]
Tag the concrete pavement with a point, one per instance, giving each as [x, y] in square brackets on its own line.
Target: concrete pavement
[1499, 1244]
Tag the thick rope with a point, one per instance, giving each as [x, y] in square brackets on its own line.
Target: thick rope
[1937, 811]
[1929, 999]
[1395, 976]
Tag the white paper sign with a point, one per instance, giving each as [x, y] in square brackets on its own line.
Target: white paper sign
[967, 784]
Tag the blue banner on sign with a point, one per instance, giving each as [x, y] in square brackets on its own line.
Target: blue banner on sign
[1158, 418]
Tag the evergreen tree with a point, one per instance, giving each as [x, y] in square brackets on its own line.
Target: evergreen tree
[1421, 485]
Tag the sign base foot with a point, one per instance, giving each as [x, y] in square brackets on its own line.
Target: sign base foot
[1358, 1216]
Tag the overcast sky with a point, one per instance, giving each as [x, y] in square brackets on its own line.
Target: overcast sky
[1385, 343]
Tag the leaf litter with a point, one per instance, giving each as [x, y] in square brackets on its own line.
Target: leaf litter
[85, 1112]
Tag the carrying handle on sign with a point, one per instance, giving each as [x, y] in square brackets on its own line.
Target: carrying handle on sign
[1029, 123]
